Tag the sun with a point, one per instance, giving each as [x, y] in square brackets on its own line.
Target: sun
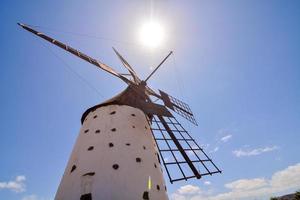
[151, 34]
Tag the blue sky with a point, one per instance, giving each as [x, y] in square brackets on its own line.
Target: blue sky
[235, 62]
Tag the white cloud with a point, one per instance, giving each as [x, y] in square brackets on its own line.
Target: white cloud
[16, 185]
[257, 188]
[204, 146]
[247, 184]
[34, 197]
[166, 159]
[288, 178]
[226, 138]
[30, 197]
[207, 183]
[189, 189]
[222, 137]
[254, 152]
[214, 150]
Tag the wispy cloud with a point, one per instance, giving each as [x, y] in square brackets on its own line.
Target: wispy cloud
[254, 152]
[223, 136]
[226, 138]
[214, 150]
[30, 197]
[207, 183]
[35, 197]
[16, 185]
[246, 189]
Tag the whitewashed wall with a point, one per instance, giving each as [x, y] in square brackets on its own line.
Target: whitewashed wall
[127, 129]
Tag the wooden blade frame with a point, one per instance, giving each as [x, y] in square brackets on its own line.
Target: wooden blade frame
[128, 67]
[179, 151]
[178, 106]
[77, 53]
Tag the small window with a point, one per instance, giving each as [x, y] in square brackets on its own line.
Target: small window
[146, 127]
[128, 144]
[165, 188]
[138, 160]
[112, 113]
[144, 147]
[90, 148]
[110, 144]
[133, 126]
[95, 117]
[97, 131]
[155, 165]
[158, 157]
[115, 166]
[73, 168]
[89, 174]
[133, 115]
[113, 129]
[146, 195]
[87, 130]
[157, 187]
[86, 196]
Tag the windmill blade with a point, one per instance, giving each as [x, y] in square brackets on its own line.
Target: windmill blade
[179, 151]
[77, 53]
[128, 67]
[178, 106]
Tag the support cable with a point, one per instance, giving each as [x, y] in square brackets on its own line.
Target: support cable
[70, 69]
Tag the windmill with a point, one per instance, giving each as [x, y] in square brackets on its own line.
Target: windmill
[124, 141]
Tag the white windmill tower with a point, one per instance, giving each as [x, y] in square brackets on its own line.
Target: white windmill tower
[123, 141]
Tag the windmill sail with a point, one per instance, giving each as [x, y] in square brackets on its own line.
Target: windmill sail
[181, 156]
[178, 106]
[76, 53]
[179, 151]
[128, 67]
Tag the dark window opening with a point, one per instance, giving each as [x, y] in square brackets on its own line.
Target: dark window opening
[87, 130]
[144, 147]
[158, 157]
[133, 115]
[97, 131]
[146, 195]
[166, 188]
[112, 113]
[128, 144]
[155, 165]
[157, 187]
[138, 160]
[113, 129]
[90, 148]
[110, 144]
[133, 126]
[86, 196]
[89, 174]
[95, 116]
[115, 166]
[73, 168]
[146, 127]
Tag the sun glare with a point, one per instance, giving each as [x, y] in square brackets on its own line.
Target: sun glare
[151, 34]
